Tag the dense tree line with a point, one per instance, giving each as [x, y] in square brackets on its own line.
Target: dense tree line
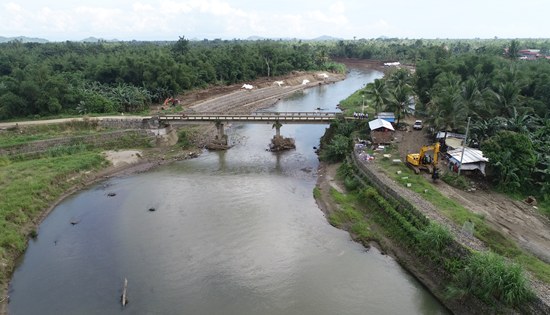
[411, 51]
[74, 77]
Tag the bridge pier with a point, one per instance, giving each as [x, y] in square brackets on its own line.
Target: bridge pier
[279, 143]
[277, 125]
[221, 134]
[221, 138]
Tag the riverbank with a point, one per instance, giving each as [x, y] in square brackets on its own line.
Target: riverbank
[124, 163]
[418, 267]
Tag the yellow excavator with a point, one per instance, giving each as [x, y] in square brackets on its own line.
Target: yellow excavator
[422, 161]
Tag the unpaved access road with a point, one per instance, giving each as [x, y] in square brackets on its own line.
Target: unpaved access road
[515, 219]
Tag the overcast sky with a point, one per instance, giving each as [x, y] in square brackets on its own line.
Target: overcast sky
[60, 20]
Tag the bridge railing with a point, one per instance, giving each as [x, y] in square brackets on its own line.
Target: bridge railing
[254, 116]
[319, 113]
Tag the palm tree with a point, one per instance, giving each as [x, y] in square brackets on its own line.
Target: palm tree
[377, 92]
[399, 101]
[400, 78]
[505, 98]
[513, 50]
[472, 98]
[448, 105]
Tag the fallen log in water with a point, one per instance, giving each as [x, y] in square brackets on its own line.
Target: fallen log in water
[124, 298]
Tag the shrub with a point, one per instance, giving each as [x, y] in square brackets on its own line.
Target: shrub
[183, 139]
[455, 180]
[488, 276]
[434, 239]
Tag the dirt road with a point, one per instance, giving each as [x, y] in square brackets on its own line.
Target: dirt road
[521, 222]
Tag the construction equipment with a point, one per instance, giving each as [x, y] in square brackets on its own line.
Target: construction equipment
[422, 161]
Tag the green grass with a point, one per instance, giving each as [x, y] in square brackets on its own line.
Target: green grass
[354, 103]
[488, 276]
[459, 214]
[316, 193]
[25, 134]
[544, 208]
[28, 187]
[350, 216]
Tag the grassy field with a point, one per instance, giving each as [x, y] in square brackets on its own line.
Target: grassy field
[28, 187]
[20, 135]
[30, 184]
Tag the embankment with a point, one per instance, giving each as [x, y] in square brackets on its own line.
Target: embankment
[401, 224]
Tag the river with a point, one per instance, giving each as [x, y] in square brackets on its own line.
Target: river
[235, 232]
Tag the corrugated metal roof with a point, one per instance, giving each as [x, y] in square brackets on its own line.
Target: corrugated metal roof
[441, 134]
[389, 116]
[471, 155]
[379, 123]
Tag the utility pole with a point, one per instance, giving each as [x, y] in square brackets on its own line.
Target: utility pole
[464, 145]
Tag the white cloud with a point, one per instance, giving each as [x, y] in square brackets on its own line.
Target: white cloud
[13, 17]
[54, 20]
[168, 19]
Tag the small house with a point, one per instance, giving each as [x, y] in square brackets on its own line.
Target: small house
[382, 132]
[473, 160]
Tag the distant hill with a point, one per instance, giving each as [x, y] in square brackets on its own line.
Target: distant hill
[326, 38]
[23, 39]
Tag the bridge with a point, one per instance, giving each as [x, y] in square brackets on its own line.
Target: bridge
[275, 118]
[258, 117]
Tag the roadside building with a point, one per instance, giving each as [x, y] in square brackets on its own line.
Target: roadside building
[382, 131]
[473, 160]
[529, 54]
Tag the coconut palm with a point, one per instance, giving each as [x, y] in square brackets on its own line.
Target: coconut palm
[449, 107]
[377, 92]
[400, 78]
[505, 98]
[399, 102]
[473, 99]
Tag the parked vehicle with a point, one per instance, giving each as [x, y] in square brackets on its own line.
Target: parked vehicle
[417, 125]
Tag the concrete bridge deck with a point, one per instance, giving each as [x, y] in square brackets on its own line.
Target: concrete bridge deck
[259, 117]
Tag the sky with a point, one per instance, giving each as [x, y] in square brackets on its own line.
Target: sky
[60, 20]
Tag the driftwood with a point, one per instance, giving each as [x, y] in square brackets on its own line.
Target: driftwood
[124, 298]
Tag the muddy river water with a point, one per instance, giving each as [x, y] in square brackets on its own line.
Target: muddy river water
[234, 232]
